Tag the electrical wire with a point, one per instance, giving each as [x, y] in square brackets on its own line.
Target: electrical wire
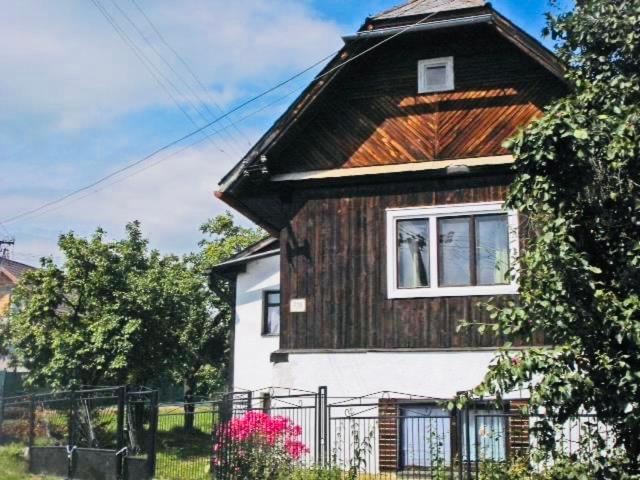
[179, 77]
[157, 74]
[162, 159]
[219, 118]
[188, 68]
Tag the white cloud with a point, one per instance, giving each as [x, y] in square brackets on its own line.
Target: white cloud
[171, 200]
[66, 72]
[64, 65]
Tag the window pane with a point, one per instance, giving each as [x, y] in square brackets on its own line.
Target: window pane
[436, 76]
[492, 250]
[454, 248]
[413, 253]
[273, 321]
[487, 431]
[273, 299]
[426, 433]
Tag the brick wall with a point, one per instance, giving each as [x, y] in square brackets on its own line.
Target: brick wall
[518, 428]
[388, 434]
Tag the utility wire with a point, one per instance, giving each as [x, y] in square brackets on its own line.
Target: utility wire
[180, 78]
[160, 78]
[222, 117]
[188, 68]
[162, 159]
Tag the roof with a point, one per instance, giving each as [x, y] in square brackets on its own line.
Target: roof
[423, 7]
[14, 270]
[400, 20]
[266, 247]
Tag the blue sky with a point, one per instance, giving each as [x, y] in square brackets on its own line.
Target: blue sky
[78, 103]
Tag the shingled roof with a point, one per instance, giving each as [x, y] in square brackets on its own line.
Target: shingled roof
[424, 7]
[14, 270]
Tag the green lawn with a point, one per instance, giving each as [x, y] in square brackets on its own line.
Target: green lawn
[13, 466]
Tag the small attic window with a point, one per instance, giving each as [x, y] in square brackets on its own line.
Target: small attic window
[435, 75]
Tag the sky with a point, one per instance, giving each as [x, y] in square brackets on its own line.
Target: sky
[90, 86]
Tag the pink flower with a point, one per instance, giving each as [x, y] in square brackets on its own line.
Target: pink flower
[261, 429]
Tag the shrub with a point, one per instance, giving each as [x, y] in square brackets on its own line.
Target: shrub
[258, 445]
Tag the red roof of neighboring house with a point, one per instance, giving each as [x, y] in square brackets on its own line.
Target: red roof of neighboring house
[14, 270]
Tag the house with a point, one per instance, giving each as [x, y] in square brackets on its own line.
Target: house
[383, 187]
[10, 274]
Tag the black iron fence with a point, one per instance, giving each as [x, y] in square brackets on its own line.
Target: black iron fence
[296, 434]
[72, 433]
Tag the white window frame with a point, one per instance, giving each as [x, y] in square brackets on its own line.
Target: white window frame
[447, 62]
[431, 214]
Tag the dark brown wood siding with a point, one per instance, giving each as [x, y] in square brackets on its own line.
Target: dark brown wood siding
[334, 256]
[373, 115]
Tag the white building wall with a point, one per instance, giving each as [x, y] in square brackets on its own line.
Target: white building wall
[427, 373]
[252, 368]
[430, 374]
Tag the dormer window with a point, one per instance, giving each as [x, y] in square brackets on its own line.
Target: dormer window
[435, 75]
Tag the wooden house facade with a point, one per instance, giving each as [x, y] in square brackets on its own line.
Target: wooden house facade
[382, 187]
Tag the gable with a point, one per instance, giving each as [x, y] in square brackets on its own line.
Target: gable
[374, 116]
[362, 116]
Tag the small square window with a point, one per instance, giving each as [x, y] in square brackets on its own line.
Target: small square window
[435, 75]
[271, 313]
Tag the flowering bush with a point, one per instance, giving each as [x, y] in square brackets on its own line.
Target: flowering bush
[258, 446]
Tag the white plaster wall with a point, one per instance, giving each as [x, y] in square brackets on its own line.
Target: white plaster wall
[252, 363]
[432, 374]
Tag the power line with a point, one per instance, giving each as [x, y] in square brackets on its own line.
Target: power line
[149, 65]
[163, 159]
[221, 117]
[186, 65]
[168, 145]
[171, 68]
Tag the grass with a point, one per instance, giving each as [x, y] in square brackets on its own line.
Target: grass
[13, 465]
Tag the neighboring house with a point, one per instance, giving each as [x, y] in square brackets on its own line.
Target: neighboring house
[383, 186]
[10, 274]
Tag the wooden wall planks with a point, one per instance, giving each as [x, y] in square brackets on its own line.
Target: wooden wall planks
[334, 256]
[372, 114]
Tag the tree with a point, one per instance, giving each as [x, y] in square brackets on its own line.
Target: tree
[577, 184]
[106, 316]
[204, 340]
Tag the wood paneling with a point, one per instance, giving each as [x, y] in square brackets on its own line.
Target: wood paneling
[334, 255]
[372, 114]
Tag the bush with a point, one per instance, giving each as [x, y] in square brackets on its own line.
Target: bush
[258, 446]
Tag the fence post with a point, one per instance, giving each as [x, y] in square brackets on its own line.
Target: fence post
[249, 401]
[71, 426]
[120, 443]
[153, 433]
[467, 426]
[320, 420]
[32, 420]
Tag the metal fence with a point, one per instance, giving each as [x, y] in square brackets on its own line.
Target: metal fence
[389, 436]
[67, 431]
[385, 436]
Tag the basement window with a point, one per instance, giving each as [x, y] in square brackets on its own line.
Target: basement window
[451, 250]
[435, 75]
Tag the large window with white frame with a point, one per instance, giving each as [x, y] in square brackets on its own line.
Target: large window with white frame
[451, 250]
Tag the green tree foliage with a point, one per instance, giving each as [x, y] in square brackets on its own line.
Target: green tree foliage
[116, 312]
[577, 184]
[204, 342]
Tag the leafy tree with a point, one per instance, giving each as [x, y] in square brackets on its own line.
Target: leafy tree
[577, 184]
[116, 312]
[204, 340]
[106, 316]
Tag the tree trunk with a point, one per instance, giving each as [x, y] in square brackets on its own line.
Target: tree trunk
[189, 407]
